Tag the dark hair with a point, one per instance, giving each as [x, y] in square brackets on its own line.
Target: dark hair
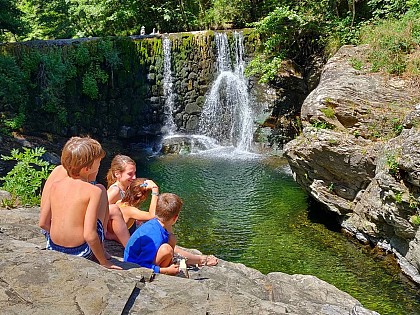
[168, 206]
[136, 192]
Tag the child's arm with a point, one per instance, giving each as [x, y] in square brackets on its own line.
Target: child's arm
[113, 195]
[45, 213]
[195, 259]
[155, 193]
[136, 214]
[90, 228]
[45, 218]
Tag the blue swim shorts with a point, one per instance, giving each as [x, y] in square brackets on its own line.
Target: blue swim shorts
[82, 250]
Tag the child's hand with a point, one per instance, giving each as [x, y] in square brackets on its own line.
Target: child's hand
[171, 270]
[109, 265]
[150, 184]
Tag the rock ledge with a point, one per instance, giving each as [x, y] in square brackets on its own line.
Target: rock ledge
[35, 281]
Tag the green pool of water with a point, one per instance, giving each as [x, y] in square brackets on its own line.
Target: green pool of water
[250, 210]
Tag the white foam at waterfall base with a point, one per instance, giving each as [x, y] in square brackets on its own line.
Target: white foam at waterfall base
[208, 147]
[230, 153]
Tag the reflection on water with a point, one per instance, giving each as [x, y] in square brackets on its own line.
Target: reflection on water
[249, 210]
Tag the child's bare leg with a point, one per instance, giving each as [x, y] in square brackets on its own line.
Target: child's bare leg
[194, 259]
[103, 214]
[164, 255]
[103, 208]
[117, 229]
[172, 240]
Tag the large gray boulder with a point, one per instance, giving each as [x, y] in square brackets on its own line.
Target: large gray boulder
[358, 154]
[37, 281]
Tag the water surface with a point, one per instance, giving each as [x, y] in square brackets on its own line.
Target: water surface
[248, 209]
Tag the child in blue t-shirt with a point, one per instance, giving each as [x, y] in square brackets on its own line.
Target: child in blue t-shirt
[153, 244]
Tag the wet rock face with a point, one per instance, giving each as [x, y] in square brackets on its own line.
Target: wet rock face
[36, 281]
[358, 154]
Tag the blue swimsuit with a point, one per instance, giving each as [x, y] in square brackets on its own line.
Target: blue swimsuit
[82, 250]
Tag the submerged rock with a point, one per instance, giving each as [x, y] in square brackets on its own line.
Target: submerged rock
[37, 281]
[185, 144]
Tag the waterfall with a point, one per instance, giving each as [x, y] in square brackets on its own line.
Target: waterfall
[227, 115]
[225, 125]
[169, 127]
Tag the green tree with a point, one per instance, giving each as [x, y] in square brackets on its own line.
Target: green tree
[13, 94]
[11, 23]
[88, 17]
[285, 34]
[47, 19]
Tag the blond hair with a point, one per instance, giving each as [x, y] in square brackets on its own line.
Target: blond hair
[118, 164]
[168, 206]
[80, 152]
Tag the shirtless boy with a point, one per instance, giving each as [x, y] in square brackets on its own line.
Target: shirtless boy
[71, 212]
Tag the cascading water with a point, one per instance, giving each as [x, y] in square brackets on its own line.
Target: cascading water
[226, 120]
[169, 127]
[227, 115]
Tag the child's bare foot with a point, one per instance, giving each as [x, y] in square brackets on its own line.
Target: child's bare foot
[209, 260]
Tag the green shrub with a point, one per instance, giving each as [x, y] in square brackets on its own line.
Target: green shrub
[356, 63]
[392, 42]
[415, 219]
[322, 125]
[397, 126]
[24, 181]
[413, 203]
[13, 94]
[15, 122]
[329, 112]
[398, 197]
[91, 78]
[393, 166]
[286, 34]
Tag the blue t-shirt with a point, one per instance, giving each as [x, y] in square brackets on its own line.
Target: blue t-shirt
[143, 245]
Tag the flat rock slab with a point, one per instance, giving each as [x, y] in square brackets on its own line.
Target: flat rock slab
[37, 281]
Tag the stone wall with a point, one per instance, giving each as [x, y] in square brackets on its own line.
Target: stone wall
[113, 87]
[128, 74]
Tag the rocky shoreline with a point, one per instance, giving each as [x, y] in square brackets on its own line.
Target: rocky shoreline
[358, 155]
[36, 281]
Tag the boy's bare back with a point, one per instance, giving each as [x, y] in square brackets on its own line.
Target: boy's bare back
[72, 211]
[74, 205]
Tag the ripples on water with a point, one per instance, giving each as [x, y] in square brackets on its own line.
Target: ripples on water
[246, 208]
